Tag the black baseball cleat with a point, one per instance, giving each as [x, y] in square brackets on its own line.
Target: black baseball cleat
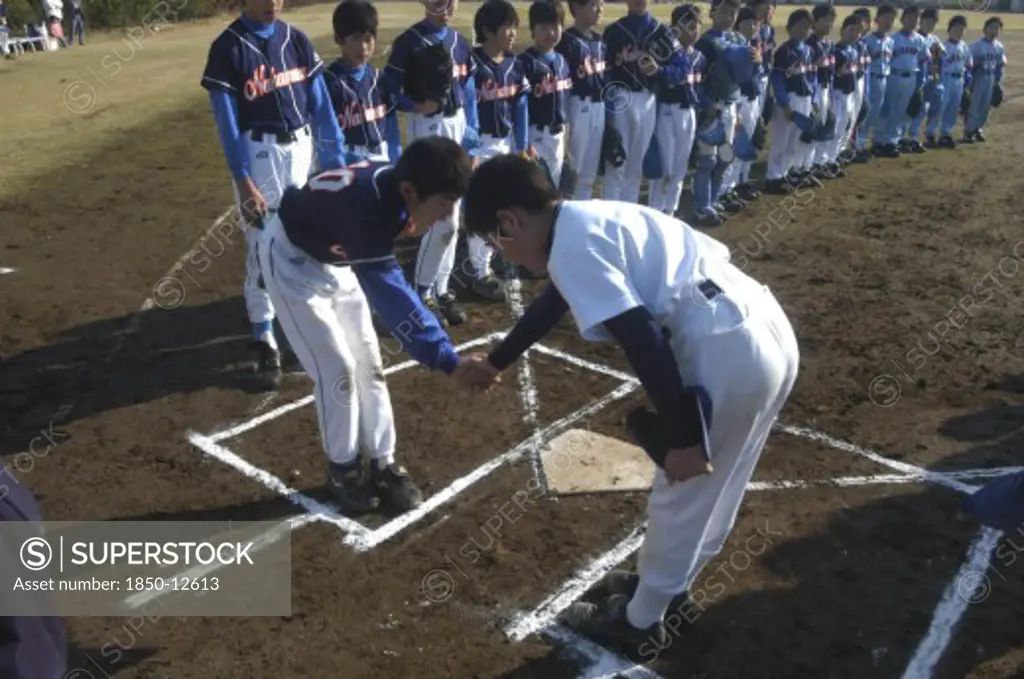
[968, 137]
[607, 624]
[979, 135]
[946, 142]
[746, 191]
[488, 288]
[914, 146]
[929, 142]
[778, 187]
[435, 308]
[863, 156]
[837, 170]
[904, 146]
[352, 487]
[824, 172]
[707, 219]
[396, 487]
[625, 583]
[887, 151]
[451, 312]
[268, 366]
[733, 203]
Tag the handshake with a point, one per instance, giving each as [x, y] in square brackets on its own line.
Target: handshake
[476, 373]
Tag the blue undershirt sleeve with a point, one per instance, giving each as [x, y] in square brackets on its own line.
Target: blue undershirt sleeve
[394, 136]
[411, 323]
[650, 355]
[469, 102]
[330, 140]
[225, 113]
[521, 124]
[540, 317]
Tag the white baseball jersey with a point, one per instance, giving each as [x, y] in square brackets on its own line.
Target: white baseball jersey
[728, 335]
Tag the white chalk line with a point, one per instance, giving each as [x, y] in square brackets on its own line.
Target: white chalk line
[549, 609]
[357, 531]
[581, 363]
[264, 540]
[939, 478]
[951, 608]
[306, 400]
[604, 664]
[527, 386]
[393, 527]
[878, 479]
[5, 270]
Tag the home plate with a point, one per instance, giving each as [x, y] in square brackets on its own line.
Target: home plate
[581, 461]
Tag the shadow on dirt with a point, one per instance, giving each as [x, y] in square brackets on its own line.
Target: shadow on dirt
[176, 351]
[859, 595]
[119, 655]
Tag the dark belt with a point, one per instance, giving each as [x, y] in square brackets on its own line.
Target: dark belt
[903, 74]
[554, 128]
[877, 75]
[279, 136]
[709, 289]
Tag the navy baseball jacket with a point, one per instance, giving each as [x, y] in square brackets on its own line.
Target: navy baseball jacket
[822, 59]
[351, 217]
[792, 72]
[586, 56]
[628, 39]
[267, 79]
[847, 67]
[501, 94]
[366, 114]
[550, 84]
[690, 93]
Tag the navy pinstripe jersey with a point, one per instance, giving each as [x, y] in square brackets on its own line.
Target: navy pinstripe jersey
[586, 57]
[847, 67]
[627, 40]
[361, 105]
[424, 34]
[498, 87]
[687, 93]
[822, 59]
[765, 40]
[550, 84]
[269, 78]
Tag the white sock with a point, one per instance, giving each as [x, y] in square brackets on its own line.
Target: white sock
[647, 607]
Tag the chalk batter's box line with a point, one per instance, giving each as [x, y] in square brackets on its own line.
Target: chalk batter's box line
[359, 536]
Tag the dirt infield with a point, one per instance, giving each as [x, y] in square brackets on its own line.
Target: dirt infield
[905, 284]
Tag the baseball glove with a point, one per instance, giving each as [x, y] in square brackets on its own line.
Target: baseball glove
[997, 95]
[612, 150]
[760, 137]
[428, 76]
[916, 103]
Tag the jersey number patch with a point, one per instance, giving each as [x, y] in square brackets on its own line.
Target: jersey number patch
[336, 180]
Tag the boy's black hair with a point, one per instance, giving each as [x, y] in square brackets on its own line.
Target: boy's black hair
[852, 20]
[684, 14]
[958, 20]
[492, 16]
[862, 13]
[501, 183]
[910, 9]
[435, 165]
[745, 14]
[883, 10]
[755, 3]
[546, 12]
[353, 17]
[930, 13]
[822, 11]
[715, 4]
[572, 5]
[798, 16]
[993, 20]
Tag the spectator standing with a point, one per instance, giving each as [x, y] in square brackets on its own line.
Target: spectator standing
[77, 23]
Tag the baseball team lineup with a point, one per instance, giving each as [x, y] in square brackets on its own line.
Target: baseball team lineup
[509, 152]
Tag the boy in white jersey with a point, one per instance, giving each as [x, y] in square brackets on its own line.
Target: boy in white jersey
[711, 346]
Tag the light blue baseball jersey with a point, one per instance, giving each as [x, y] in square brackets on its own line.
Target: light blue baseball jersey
[930, 41]
[989, 58]
[879, 52]
[909, 52]
[957, 58]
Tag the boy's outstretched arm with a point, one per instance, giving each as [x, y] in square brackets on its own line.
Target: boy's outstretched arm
[540, 317]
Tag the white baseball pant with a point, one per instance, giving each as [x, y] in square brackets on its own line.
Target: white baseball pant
[326, 318]
[741, 348]
[675, 130]
[636, 125]
[844, 106]
[381, 155]
[480, 251]
[550, 148]
[586, 132]
[822, 149]
[436, 258]
[748, 112]
[858, 103]
[273, 168]
[787, 149]
[731, 174]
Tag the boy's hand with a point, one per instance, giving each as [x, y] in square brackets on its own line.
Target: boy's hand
[649, 65]
[755, 55]
[683, 464]
[476, 373]
[253, 204]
